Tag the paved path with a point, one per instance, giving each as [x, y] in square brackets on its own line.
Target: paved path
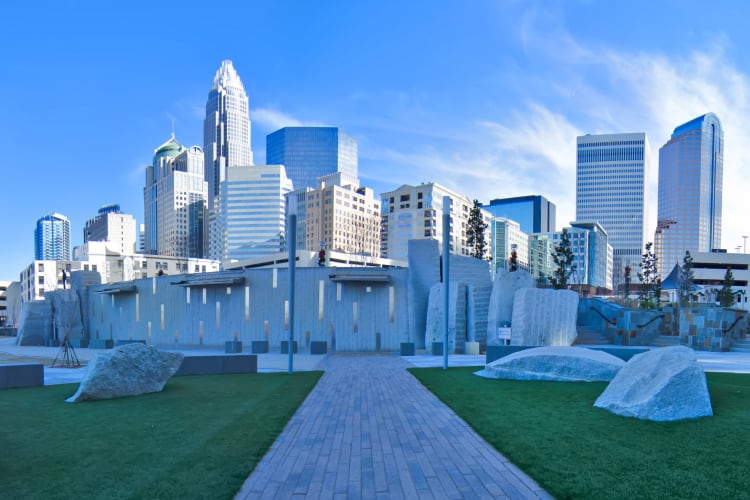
[371, 430]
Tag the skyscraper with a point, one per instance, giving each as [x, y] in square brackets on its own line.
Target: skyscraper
[311, 152]
[534, 214]
[251, 219]
[226, 136]
[174, 202]
[691, 167]
[611, 175]
[52, 238]
[114, 227]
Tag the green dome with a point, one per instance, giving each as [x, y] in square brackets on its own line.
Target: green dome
[170, 148]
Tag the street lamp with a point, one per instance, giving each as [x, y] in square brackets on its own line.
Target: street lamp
[744, 244]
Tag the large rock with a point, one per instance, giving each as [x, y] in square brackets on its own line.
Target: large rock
[544, 317]
[127, 370]
[563, 364]
[504, 289]
[663, 384]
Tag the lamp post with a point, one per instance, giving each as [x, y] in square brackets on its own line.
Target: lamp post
[744, 244]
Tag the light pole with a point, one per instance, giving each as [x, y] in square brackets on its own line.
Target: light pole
[744, 244]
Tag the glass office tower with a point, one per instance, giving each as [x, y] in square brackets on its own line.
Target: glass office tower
[611, 175]
[52, 238]
[311, 152]
[691, 167]
[534, 214]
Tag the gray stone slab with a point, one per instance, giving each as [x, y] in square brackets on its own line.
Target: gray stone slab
[21, 375]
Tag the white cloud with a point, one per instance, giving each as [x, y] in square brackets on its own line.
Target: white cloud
[272, 119]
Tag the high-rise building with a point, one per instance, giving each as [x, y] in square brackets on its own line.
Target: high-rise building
[534, 213]
[251, 221]
[114, 227]
[507, 237]
[175, 202]
[52, 238]
[691, 167]
[592, 254]
[340, 216]
[415, 212]
[226, 137]
[611, 175]
[308, 153]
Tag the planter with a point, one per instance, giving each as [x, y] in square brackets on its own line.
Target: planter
[233, 346]
[408, 348]
[318, 347]
[259, 346]
[471, 348]
[285, 347]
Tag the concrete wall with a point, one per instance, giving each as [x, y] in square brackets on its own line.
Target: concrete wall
[364, 315]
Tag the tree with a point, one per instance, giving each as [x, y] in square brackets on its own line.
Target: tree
[686, 279]
[626, 289]
[513, 261]
[726, 295]
[475, 232]
[563, 259]
[651, 286]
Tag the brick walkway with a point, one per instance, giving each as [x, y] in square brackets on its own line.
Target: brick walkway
[371, 430]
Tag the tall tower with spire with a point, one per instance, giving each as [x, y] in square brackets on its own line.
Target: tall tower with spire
[226, 135]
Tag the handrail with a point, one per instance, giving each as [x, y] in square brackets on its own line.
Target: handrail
[613, 321]
[650, 321]
[734, 324]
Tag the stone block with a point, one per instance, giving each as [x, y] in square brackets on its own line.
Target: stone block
[437, 348]
[544, 317]
[504, 289]
[259, 346]
[233, 346]
[318, 347]
[21, 375]
[285, 347]
[245, 363]
[408, 349]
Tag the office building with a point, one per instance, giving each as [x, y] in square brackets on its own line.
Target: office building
[416, 212]
[226, 138]
[541, 265]
[251, 221]
[690, 192]
[175, 202]
[611, 175]
[114, 227]
[52, 238]
[508, 237]
[592, 255]
[534, 213]
[341, 216]
[308, 153]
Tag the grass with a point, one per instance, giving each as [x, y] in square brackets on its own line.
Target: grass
[198, 438]
[553, 433]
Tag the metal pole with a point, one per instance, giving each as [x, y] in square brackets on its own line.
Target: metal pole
[291, 225]
[446, 274]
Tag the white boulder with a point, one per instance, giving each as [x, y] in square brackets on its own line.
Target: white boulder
[563, 364]
[127, 370]
[544, 317]
[663, 384]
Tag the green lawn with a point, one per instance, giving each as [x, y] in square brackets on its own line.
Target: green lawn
[198, 438]
[552, 432]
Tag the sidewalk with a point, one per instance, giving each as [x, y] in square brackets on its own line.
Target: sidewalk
[371, 430]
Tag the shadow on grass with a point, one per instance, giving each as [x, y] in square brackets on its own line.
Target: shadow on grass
[198, 438]
[552, 431]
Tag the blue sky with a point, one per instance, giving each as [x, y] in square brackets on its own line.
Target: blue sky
[484, 97]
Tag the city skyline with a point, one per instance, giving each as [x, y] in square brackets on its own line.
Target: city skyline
[490, 111]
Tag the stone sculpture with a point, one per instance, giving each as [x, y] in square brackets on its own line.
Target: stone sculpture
[544, 317]
[435, 329]
[127, 370]
[504, 289]
[663, 384]
[563, 364]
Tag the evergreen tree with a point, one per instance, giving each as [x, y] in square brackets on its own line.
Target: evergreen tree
[686, 279]
[563, 259]
[726, 295]
[626, 289]
[651, 286]
[475, 232]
